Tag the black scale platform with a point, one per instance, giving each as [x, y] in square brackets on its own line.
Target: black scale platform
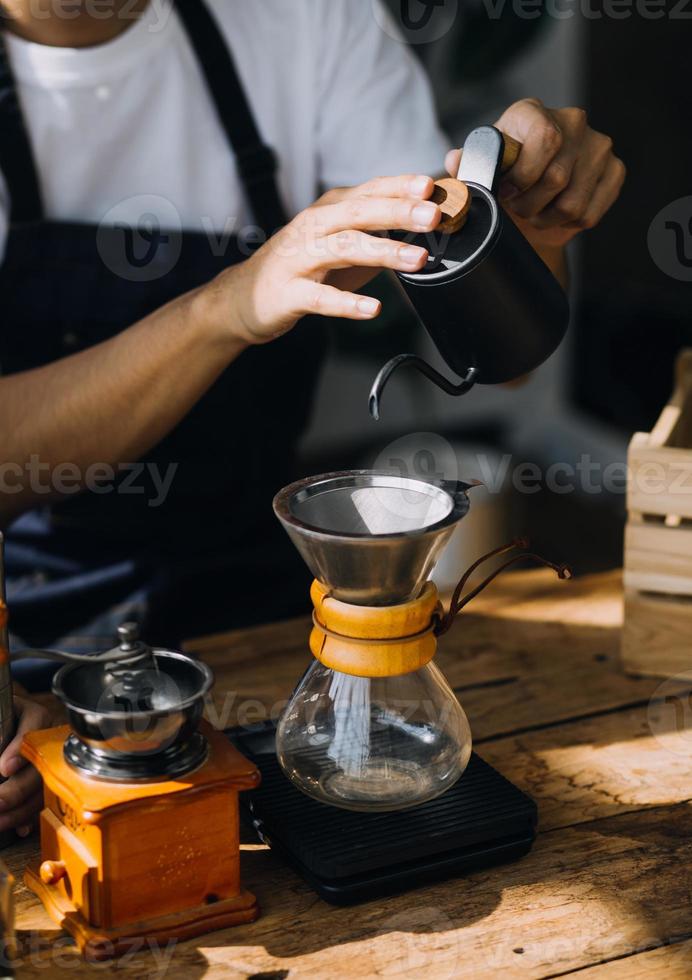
[350, 857]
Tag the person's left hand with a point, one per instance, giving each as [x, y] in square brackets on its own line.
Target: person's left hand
[565, 178]
[21, 795]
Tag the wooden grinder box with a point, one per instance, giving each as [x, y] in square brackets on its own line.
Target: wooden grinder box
[657, 634]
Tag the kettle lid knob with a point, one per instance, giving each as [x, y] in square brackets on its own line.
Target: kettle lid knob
[453, 198]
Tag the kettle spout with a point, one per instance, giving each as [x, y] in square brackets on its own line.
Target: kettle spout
[450, 387]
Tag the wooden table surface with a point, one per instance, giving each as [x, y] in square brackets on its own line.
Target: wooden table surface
[605, 892]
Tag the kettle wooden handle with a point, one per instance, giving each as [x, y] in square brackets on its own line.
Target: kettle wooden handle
[511, 152]
[453, 196]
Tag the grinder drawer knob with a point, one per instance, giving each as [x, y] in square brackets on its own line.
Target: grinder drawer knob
[52, 871]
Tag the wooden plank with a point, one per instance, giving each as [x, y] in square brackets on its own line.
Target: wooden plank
[584, 895]
[534, 596]
[666, 430]
[569, 690]
[682, 435]
[657, 637]
[659, 558]
[662, 432]
[603, 766]
[547, 678]
[660, 481]
[674, 962]
[538, 596]
[532, 651]
[544, 652]
[672, 426]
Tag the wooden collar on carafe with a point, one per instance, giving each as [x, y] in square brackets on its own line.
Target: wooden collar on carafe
[374, 641]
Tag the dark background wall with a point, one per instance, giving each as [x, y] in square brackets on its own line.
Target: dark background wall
[634, 317]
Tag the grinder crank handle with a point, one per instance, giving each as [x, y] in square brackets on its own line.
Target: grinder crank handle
[131, 651]
[453, 196]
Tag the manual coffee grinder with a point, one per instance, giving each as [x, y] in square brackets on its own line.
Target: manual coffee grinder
[373, 728]
[140, 827]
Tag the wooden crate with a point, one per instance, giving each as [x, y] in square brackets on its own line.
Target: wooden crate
[657, 634]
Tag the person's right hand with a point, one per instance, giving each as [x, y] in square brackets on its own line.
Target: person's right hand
[307, 266]
[21, 794]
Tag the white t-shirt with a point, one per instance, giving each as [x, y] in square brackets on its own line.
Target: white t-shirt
[335, 95]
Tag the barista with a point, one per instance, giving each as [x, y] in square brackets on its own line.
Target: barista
[158, 366]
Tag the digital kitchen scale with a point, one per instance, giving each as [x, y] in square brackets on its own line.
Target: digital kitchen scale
[350, 857]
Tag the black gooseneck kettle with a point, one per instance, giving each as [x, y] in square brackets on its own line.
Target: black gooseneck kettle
[492, 307]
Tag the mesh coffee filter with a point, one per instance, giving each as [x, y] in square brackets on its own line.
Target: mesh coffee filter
[373, 509]
[372, 538]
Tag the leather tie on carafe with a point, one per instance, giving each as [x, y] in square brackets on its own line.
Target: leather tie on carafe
[375, 642]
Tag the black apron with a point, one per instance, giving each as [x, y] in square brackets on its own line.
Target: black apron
[212, 555]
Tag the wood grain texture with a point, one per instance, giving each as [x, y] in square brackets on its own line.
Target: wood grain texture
[511, 152]
[89, 797]
[603, 766]
[659, 558]
[454, 201]
[659, 480]
[532, 651]
[536, 668]
[672, 962]
[157, 859]
[586, 894]
[672, 427]
[346, 637]
[656, 640]
[658, 540]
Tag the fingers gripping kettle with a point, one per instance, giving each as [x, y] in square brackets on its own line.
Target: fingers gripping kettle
[492, 307]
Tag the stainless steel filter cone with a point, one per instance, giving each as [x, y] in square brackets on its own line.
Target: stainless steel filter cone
[371, 537]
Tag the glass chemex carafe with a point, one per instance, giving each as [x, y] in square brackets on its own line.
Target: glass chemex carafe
[373, 725]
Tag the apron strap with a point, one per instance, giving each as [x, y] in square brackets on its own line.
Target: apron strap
[16, 156]
[257, 163]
